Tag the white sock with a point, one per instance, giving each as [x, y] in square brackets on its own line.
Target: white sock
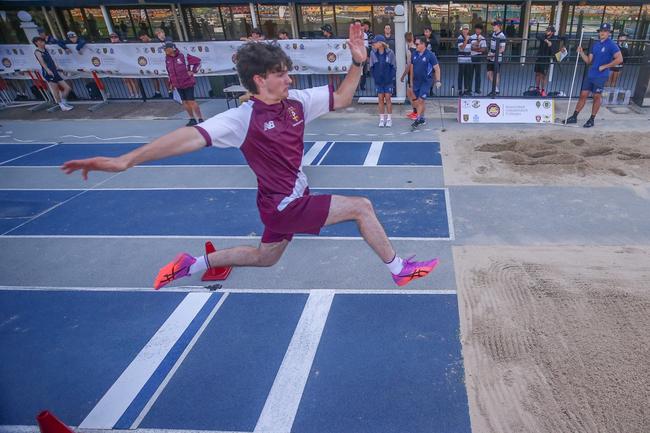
[388, 117]
[382, 117]
[65, 101]
[200, 265]
[395, 266]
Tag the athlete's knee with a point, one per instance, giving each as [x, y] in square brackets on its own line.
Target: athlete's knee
[364, 207]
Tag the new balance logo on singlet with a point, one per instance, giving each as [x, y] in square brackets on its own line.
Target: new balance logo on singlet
[269, 125]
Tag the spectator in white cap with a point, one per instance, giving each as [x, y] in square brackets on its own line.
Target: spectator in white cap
[464, 46]
[72, 38]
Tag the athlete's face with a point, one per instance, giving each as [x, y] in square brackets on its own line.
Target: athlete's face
[275, 85]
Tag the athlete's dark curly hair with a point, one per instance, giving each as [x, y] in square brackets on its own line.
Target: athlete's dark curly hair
[260, 58]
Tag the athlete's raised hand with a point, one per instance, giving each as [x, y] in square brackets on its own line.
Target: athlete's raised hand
[100, 163]
[356, 43]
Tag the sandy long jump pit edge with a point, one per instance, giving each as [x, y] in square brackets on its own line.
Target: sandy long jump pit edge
[556, 339]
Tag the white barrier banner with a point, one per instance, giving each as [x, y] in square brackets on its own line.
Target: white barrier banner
[506, 110]
[315, 56]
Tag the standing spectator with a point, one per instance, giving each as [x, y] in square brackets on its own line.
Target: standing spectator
[464, 62]
[93, 31]
[144, 38]
[382, 67]
[432, 43]
[59, 88]
[131, 83]
[367, 32]
[605, 54]
[283, 35]
[423, 66]
[124, 29]
[410, 50]
[479, 48]
[181, 77]
[549, 44]
[328, 33]
[511, 30]
[390, 39]
[497, 43]
[625, 52]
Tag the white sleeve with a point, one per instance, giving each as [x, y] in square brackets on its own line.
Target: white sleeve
[227, 129]
[315, 101]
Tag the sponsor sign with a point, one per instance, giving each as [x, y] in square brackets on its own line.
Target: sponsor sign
[506, 110]
[137, 60]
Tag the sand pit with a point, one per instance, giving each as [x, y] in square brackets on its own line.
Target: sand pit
[556, 339]
[549, 156]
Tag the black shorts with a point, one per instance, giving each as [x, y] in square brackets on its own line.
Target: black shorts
[541, 66]
[186, 94]
[491, 66]
[52, 78]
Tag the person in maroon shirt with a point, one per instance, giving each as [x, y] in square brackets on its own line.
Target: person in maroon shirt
[269, 131]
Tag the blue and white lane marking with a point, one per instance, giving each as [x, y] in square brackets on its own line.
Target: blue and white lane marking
[282, 402]
[151, 365]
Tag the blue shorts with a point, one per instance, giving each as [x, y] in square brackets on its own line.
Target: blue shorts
[594, 85]
[384, 89]
[421, 88]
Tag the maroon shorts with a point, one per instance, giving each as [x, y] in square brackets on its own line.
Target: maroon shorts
[306, 214]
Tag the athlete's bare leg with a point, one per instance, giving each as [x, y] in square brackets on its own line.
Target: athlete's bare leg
[360, 209]
[264, 255]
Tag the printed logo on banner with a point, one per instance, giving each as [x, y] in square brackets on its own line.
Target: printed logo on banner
[155, 71]
[302, 46]
[538, 104]
[142, 61]
[200, 49]
[331, 57]
[465, 103]
[15, 51]
[105, 50]
[207, 49]
[234, 58]
[112, 51]
[547, 104]
[538, 118]
[6, 62]
[465, 117]
[344, 68]
[475, 118]
[493, 110]
[295, 46]
[287, 46]
[296, 68]
[60, 51]
[476, 104]
[95, 61]
[345, 46]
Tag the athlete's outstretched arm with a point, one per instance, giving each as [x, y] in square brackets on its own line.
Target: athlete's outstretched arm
[345, 92]
[178, 142]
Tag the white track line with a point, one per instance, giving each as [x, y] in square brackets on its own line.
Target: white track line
[450, 219]
[222, 188]
[117, 399]
[190, 289]
[313, 152]
[331, 146]
[35, 429]
[372, 158]
[218, 237]
[27, 154]
[179, 361]
[282, 402]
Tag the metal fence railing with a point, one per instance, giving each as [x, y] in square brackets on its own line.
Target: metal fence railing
[516, 76]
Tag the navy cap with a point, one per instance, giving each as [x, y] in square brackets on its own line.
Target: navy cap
[606, 27]
[169, 44]
[378, 38]
[327, 28]
[497, 23]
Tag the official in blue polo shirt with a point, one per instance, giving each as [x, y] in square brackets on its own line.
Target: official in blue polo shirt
[424, 66]
[605, 54]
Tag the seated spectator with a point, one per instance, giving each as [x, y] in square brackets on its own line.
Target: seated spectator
[73, 39]
[144, 37]
[328, 32]
[256, 36]
[49, 39]
[181, 77]
[283, 35]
